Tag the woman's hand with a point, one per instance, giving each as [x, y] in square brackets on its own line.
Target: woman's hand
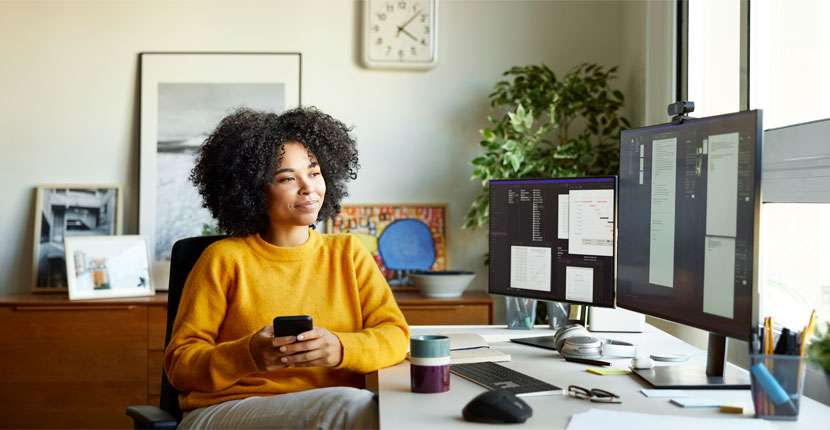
[317, 347]
[265, 348]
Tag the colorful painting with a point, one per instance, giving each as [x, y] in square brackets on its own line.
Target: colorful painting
[401, 238]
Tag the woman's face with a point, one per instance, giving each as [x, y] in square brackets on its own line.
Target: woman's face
[296, 196]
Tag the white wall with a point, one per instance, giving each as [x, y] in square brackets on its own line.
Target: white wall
[68, 92]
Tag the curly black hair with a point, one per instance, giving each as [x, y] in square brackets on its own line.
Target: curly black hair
[239, 160]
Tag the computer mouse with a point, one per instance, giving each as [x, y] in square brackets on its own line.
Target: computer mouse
[497, 406]
[642, 362]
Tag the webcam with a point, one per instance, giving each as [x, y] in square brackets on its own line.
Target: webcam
[679, 111]
[681, 108]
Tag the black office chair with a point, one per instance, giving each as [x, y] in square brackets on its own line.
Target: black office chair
[169, 414]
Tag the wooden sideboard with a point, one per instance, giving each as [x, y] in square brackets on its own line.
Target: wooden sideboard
[472, 308]
[80, 364]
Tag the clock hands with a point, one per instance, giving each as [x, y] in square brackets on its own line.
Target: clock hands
[401, 30]
[401, 27]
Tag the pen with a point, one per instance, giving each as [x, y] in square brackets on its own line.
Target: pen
[755, 344]
[760, 349]
[588, 361]
[781, 346]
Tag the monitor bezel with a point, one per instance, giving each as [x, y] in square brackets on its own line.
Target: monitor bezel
[737, 333]
[616, 180]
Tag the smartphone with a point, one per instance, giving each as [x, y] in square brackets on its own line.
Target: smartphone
[292, 325]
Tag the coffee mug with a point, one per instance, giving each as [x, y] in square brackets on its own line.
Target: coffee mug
[429, 363]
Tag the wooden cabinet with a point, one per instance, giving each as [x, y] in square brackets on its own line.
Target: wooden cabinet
[78, 364]
[472, 308]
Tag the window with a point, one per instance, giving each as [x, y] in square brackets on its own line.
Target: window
[789, 60]
[794, 258]
[714, 57]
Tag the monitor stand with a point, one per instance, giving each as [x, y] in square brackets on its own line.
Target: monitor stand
[716, 375]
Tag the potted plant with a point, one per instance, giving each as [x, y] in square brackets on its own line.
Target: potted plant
[819, 351]
[550, 127]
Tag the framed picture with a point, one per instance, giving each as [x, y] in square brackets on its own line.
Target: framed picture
[63, 211]
[108, 266]
[401, 238]
[183, 98]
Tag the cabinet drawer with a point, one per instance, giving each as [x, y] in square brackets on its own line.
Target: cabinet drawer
[73, 343]
[154, 369]
[446, 314]
[157, 326]
[66, 405]
[72, 366]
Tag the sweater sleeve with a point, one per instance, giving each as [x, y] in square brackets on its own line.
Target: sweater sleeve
[385, 336]
[193, 360]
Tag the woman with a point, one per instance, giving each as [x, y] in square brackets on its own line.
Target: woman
[267, 178]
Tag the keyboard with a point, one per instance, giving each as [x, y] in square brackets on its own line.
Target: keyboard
[495, 376]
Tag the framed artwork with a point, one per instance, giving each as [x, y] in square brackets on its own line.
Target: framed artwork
[401, 238]
[63, 211]
[183, 98]
[108, 266]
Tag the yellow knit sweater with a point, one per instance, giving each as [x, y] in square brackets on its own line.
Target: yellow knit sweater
[239, 285]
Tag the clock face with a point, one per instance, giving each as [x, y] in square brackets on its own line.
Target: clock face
[400, 33]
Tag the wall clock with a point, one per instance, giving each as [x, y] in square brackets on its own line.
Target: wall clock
[400, 34]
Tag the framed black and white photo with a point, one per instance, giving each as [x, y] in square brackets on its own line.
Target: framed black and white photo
[63, 211]
[102, 267]
[183, 98]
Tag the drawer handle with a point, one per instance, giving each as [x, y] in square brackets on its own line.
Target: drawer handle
[432, 308]
[74, 308]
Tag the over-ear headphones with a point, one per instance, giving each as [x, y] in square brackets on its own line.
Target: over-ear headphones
[573, 341]
[565, 332]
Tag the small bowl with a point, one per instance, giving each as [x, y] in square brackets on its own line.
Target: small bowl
[442, 283]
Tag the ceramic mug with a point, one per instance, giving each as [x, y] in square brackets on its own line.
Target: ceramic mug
[429, 364]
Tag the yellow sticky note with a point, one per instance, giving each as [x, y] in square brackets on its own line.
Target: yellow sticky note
[733, 407]
[608, 371]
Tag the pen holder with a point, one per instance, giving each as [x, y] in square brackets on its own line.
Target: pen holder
[521, 313]
[558, 313]
[777, 385]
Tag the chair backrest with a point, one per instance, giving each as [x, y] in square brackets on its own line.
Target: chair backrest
[185, 254]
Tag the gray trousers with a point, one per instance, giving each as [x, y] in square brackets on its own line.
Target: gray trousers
[323, 408]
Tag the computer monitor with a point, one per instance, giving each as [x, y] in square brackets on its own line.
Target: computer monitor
[687, 247]
[553, 239]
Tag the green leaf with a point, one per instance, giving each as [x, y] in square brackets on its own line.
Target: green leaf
[514, 161]
[487, 134]
[509, 146]
[520, 112]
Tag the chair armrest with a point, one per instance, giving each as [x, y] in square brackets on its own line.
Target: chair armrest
[151, 417]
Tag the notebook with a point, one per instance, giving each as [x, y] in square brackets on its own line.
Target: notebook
[466, 347]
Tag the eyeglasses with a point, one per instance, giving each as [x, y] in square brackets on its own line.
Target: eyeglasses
[594, 394]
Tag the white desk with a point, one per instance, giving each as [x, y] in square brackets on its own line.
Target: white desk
[400, 408]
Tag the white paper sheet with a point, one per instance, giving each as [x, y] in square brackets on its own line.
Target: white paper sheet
[530, 268]
[661, 245]
[722, 185]
[602, 419]
[579, 284]
[719, 276]
[591, 222]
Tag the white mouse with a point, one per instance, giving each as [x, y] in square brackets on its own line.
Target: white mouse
[642, 362]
